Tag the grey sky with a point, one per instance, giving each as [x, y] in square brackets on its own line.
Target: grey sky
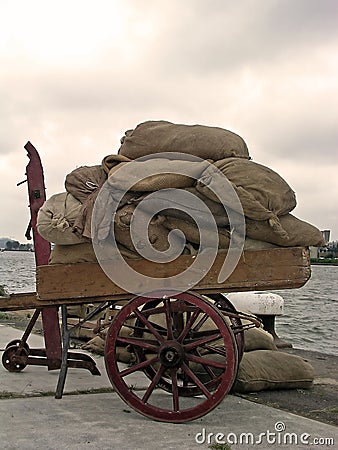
[75, 75]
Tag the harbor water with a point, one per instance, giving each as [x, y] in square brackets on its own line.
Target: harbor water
[309, 322]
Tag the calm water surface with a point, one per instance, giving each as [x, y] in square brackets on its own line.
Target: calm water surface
[310, 319]
[17, 271]
[310, 313]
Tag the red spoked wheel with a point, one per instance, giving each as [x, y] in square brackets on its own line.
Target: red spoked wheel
[202, 326]
[183, 345]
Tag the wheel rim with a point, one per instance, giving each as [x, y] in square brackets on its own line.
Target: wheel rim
[18, 343]
[225, 305]
[184, 357]
[14, 359]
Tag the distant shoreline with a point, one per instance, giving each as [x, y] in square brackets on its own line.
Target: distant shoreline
[18, 250]
[324, 263]
[313, 261]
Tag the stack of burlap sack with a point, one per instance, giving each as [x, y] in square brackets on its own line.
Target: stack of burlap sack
[266, 198]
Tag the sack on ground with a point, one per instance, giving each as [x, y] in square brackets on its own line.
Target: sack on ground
[258, 339]
[267, 369]
[203, 141]
[95, 345]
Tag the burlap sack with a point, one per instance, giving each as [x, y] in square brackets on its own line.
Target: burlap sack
[258, 339]
[157, 232]
[69, 254]
[81, 311]
[176, 205]
[202, 141]
[111, 161]
[80, 253]
[56, 218]
[216, 208]
[84, 180]
[253, 244]
[263, 193]
[156, 173]
[300, 233]
[95, 345]
[84, 183]
[192, 233]
[266, 370]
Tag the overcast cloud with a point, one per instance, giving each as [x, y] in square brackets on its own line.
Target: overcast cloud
[74, 75]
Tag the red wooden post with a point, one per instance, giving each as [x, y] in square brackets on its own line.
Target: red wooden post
[37, 196]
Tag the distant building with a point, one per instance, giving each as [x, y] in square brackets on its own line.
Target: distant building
[326, 235]
[318, 252]
[314, 252]
[329, 251]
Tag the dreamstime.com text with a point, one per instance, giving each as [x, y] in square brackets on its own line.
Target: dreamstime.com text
[277, 437]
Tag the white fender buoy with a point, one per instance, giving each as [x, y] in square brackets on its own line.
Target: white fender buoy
[265, 305]
[258, 303]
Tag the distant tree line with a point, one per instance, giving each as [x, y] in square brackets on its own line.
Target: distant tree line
[17, 246]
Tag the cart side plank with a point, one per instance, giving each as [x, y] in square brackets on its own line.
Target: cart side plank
[278, 268]
[264, 269]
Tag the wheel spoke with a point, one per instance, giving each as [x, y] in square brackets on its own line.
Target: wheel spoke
[188, 325]
[218, 350]
[205, 361]
[173, 374]
[157, 327]
[208, 369]
[202, 341]
[168, 318]
[156, 310]
[201, 322]
[138, 342]
[146, 322]
[138, 366]
[153, 384]
[194, 378]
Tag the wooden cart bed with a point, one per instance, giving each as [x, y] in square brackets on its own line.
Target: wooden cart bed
[60, 284]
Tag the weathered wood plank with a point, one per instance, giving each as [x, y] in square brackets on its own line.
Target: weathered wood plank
[278, 268]
[16, 302]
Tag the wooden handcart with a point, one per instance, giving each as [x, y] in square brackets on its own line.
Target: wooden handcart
[187, 345]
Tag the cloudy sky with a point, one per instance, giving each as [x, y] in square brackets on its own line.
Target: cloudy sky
[75, 74]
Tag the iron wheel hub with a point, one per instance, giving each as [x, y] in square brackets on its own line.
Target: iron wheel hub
[171, 354]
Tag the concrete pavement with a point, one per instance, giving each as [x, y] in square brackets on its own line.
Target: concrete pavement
[36, 420]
